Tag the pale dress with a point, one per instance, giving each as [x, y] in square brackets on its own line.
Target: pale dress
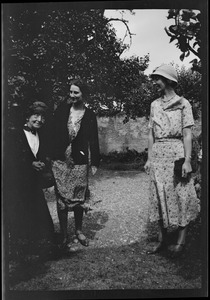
[173, 201]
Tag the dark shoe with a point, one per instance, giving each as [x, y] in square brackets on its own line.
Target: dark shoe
[82, 239]
[161, 246]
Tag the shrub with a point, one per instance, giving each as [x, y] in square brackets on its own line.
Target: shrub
[129, 159]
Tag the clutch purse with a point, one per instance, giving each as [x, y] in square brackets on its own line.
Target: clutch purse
[178, 167]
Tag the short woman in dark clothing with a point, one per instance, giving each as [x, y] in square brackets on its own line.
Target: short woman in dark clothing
[75, 147]
[29, 216]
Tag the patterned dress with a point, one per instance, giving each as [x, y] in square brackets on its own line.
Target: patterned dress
[71, 180]
[171, 200]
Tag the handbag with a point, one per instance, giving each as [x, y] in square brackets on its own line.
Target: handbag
[46, 179]
[178, 167]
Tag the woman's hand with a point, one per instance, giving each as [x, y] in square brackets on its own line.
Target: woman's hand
[94, 169]
[186, 168]
[38, 165]
[147, 166]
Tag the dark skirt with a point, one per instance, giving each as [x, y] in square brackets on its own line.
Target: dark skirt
[29, 217]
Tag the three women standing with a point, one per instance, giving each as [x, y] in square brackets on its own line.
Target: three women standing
[173, 200]
[75, 147]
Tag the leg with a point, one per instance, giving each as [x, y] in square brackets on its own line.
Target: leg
[63, 219]
[182, 235]
[162, 232]
[78, 216]
[161, 239]
[179, 247]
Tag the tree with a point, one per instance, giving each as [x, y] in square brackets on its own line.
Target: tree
[187, 32]
[190, 86]
[46, 48]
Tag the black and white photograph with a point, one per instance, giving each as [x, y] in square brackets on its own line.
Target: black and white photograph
[105, 150]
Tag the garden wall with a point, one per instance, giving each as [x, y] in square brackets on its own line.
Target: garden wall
[114, 135]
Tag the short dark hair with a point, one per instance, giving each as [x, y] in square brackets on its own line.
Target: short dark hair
[37, 107]
[82, 85]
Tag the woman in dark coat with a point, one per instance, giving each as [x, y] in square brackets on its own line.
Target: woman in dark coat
[29, 216]
[76, 146]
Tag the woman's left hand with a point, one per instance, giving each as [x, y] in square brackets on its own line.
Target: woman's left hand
[186, 168]
[94, 169]
[38, 165]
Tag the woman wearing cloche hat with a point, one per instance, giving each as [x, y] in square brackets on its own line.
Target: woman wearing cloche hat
[173, 200]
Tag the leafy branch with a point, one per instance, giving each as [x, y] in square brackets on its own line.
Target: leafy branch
[187, 32]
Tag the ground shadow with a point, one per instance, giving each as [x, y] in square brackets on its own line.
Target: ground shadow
[92, 222]
[114, 267]
[24, 270]
[189, 262]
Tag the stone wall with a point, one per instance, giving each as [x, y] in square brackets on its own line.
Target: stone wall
[114, 135]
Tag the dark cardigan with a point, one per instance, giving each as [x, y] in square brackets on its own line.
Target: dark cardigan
[87, 137]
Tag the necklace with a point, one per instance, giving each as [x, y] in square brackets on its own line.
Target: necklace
[167, 100]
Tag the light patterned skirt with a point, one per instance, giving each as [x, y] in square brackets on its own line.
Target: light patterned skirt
[71, 187]
[173, 201]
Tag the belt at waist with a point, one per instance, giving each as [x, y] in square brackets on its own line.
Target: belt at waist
[168, 139]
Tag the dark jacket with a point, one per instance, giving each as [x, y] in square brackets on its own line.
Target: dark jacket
[87, 137]
[27, 209]
[21, 158]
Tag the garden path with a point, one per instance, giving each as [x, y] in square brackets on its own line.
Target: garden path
[119, 214]
[116, 258]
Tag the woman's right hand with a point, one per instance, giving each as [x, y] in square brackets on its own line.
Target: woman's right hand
[147, 166]
[38, 165]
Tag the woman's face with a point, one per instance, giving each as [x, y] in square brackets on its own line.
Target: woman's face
[35, 121]
[75, 94]
[160, 83]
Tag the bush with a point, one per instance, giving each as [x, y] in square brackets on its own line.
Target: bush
[196, 147]
[125, 160]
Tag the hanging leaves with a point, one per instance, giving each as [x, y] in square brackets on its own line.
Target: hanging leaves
[186, 31]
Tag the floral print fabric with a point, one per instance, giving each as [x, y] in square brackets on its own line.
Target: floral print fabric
[169, 118]
[171, 200]
[71, 180]
[71, 184]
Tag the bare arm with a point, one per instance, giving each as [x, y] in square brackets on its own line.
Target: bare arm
[150, 144]
[187, 139]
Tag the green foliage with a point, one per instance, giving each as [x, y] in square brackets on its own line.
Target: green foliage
[48, 48]
[187, 32]
[190, 86]
[128, 156]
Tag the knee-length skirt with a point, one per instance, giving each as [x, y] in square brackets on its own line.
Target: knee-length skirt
[71, 185]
